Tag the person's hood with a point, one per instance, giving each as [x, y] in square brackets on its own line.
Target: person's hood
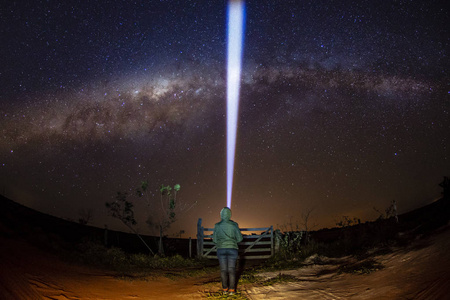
[225, 214]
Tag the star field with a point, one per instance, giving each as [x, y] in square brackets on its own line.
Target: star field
[344, 107]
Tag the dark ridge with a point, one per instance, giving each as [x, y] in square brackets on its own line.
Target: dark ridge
[53, 233]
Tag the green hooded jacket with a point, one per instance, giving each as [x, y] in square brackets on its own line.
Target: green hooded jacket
[226, 232]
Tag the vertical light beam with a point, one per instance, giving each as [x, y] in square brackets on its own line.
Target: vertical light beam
[235, 28]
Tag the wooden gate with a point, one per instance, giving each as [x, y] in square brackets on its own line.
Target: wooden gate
[257, 245]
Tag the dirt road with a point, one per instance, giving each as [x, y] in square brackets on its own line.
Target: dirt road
[419, 271]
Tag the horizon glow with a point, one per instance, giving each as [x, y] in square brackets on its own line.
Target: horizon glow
[235, 28]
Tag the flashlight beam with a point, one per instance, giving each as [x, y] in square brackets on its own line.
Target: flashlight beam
[236, 16]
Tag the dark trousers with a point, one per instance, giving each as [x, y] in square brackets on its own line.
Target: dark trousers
[227, 260]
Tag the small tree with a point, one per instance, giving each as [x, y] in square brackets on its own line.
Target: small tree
[122, 209]
[306, 223]
[85, 216]
[346, 221]
[389, 212]
[163, 217]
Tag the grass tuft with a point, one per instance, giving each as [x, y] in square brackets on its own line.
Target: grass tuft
[364, 267]
[221, 295]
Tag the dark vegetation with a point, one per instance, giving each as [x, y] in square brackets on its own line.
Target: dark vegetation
[124, 252]
[159, 217]
[363, 241]
[103, 248]
[364, 267]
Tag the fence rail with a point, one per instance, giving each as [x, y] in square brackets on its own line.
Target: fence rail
[258, 245]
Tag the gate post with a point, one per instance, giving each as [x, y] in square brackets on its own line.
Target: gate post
[199, 238]
[271, 240]
[278, 238]
[190, 247]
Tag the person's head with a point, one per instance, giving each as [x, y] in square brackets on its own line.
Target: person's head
[225, 214]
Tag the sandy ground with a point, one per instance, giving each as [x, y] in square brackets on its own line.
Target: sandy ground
[417, 272]
[27, 273]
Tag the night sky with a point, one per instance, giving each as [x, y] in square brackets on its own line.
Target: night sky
[344, 107]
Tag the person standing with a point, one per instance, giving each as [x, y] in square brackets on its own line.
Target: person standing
[226, 236]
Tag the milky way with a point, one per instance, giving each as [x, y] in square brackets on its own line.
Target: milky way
[342, 109]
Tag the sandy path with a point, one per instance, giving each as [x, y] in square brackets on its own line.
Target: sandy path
[28, 273]
[107, 287]
[419, 272]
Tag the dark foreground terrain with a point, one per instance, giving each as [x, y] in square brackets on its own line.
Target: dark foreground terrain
[414, 270]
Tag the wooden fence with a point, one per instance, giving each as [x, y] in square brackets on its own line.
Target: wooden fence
[257, 245]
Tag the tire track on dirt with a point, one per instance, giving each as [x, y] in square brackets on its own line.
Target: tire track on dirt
[49, 290]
